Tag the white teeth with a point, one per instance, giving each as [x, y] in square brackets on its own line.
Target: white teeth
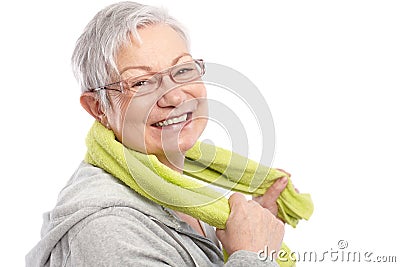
[172, 121]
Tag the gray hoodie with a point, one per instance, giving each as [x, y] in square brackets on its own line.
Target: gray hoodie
[99, 221]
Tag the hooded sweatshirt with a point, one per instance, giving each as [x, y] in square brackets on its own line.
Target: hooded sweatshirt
[99, 221]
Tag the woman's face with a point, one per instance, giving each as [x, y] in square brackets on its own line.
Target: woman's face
[136, 120]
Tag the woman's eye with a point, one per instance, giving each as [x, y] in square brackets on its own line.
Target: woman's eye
[139, 83]
[184, 71]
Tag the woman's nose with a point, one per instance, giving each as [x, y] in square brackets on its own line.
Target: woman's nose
[173, 95]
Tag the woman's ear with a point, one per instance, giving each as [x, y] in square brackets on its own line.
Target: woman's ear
[90, 102]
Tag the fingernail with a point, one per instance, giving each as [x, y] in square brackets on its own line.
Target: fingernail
[284, 180]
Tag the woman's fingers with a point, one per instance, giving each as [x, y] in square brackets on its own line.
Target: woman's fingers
[289, 175]
[268, 200]
[276, 189]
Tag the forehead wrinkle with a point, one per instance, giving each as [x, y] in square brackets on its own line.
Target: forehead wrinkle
[149, 69]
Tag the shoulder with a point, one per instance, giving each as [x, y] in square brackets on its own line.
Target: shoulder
[93, 196]
[89, 181]
[91, 186]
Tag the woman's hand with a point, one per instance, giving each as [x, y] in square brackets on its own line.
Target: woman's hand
[268, 200]
[250, 227]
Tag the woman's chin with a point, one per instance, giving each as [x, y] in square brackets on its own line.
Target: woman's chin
[188, 140]
[185, 146]
[178, 148]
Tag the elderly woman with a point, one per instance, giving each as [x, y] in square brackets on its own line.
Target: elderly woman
[143, 87]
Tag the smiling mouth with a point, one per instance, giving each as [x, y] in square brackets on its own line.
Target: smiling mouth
[183, 118]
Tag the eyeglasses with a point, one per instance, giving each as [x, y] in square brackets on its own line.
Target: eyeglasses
[145, 84]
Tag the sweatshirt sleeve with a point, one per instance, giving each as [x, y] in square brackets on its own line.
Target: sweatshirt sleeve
[114, 240]
[247, 258]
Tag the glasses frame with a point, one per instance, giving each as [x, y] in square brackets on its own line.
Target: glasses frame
[161, 75]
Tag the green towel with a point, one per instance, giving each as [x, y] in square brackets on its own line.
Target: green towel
[159, 183]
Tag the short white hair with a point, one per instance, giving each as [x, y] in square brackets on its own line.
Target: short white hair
[93, 60]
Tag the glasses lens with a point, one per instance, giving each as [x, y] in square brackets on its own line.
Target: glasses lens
[186, 72]
[140, 85]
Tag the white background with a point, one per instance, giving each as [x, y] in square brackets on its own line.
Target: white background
[329, 71]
